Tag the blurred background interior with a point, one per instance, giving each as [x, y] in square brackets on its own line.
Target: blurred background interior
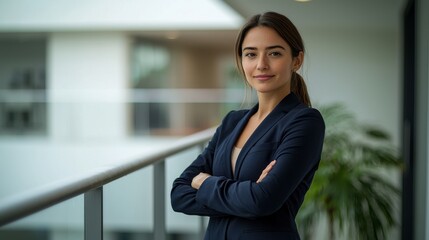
[88, 83]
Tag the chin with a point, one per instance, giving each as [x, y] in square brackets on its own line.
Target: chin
[264, 91]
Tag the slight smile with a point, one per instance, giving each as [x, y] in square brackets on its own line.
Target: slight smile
[263, 77]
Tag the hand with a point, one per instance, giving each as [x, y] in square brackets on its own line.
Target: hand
[198, 180]
[266, 171]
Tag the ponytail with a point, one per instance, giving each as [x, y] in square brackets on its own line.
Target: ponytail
[299, 87]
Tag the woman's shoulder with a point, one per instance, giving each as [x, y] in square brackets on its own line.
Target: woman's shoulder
[302, 111]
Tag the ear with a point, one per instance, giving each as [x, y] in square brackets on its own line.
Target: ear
[298, 60]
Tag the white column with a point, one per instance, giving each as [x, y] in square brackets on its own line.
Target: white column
[88, 85]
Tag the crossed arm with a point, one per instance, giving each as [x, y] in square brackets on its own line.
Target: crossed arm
[186, 201]
[201, 177]
[196, 192]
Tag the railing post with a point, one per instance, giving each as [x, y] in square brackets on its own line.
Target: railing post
[93, 211]
[159, 201]
[202, 230]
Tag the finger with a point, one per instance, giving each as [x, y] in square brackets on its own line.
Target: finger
[262, 176]
[270, 166]
[266, 171]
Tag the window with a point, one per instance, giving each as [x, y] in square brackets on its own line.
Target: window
[23, 109]
[150, 70]
[180, 89]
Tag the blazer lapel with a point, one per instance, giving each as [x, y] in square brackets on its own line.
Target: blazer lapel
[287, 103]
[233, 139]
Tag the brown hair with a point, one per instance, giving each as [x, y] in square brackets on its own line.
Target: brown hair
[286, 30]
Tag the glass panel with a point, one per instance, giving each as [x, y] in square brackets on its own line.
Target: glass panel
[64, 221]
[165, 98]
[150, 117]
[180, 226]
[128, 206]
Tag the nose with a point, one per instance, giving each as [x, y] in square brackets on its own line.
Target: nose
[262, 63]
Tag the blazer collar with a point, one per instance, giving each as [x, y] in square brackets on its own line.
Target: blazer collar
[285, 105]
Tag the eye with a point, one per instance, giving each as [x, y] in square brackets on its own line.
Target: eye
[275, 54]
[250, 55]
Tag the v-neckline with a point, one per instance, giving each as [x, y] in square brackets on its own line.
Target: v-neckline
[269, 121]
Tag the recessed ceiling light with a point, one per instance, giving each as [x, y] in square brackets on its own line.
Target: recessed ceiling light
[302, 0]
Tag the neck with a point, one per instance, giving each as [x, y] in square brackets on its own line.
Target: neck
[267, 103]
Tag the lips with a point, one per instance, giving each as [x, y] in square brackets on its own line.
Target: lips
[263, 77]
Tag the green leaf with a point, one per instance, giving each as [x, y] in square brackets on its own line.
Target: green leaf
[351, 188]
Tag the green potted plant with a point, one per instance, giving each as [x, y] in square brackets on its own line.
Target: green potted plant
[352, 190]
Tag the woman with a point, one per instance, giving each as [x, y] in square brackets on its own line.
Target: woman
[252, 177]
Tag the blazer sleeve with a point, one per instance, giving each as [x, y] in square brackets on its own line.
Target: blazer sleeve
[298, 155]
[183, 196]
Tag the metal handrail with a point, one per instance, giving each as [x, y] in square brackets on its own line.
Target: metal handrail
[154, 95]
[27, 203]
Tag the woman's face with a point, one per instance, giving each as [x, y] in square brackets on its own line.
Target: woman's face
[267, 61]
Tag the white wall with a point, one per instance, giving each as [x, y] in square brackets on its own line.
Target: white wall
[360, 68]
[88, 86]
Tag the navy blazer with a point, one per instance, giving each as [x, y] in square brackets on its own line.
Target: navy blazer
[240, 208]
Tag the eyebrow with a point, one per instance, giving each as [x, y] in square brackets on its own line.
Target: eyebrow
[267, 48]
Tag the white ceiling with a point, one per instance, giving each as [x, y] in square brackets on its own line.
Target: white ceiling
[107, 15]
[218, 31]
[377, 14]
[380, 15]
